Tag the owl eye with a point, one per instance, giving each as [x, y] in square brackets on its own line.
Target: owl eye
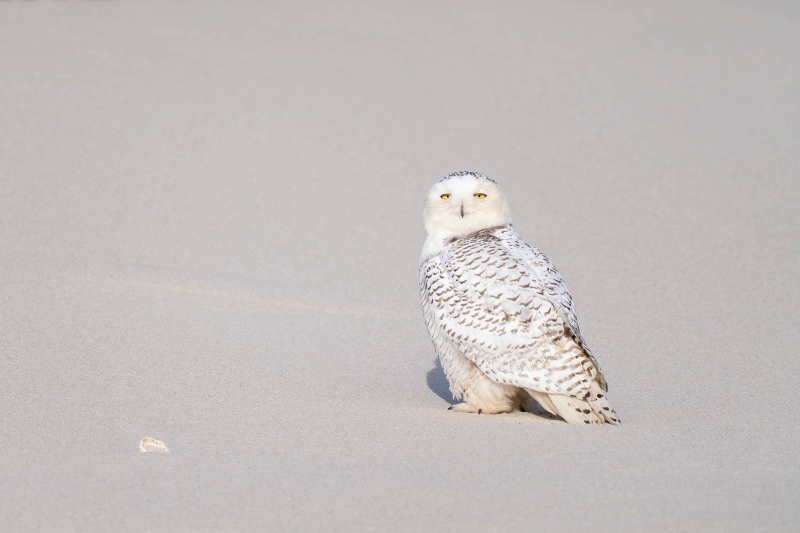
[444, 196]
[479, 195]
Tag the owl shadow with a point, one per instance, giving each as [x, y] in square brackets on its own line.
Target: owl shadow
[437, 382]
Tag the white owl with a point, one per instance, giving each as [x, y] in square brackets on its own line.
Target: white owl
[499, 315]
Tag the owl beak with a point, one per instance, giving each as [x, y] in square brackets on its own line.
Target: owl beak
[462, 210]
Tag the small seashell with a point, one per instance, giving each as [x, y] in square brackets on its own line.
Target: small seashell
[149, 444]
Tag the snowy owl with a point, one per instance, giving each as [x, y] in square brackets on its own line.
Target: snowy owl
[498, 313]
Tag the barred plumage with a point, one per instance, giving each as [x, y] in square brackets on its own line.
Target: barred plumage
[500, 316]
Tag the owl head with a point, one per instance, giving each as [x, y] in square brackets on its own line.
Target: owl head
[463, 203]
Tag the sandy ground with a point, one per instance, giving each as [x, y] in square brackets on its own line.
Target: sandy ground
[210, 221]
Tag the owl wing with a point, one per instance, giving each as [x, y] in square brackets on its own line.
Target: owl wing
[550, 281]
[504, 305]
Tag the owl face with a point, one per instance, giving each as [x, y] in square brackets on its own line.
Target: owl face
[464, 203]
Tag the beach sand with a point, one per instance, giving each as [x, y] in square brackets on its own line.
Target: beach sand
[210, 224]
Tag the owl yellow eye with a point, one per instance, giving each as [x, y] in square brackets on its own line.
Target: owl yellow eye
[444, 196]
[479, 195]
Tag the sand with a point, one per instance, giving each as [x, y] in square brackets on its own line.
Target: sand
[210, 222]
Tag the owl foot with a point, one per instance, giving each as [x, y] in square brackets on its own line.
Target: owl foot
[467, 408]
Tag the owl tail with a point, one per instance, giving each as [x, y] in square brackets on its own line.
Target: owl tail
[594, 409]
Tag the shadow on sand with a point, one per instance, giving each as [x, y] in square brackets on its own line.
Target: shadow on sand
[437, 382]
